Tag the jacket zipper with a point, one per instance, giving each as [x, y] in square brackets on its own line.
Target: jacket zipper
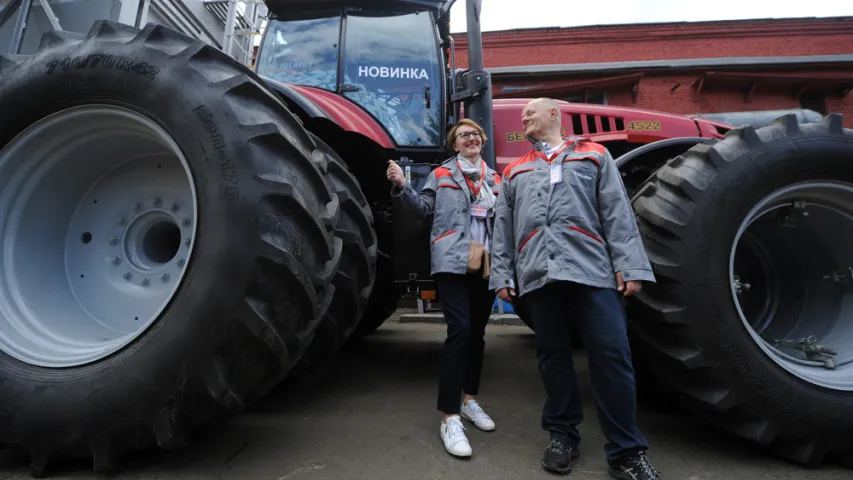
[588, 234]
[444, 235]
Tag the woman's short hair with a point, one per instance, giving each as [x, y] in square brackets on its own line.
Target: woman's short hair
[451, 137]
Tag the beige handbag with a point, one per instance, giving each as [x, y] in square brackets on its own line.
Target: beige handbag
[478, 259]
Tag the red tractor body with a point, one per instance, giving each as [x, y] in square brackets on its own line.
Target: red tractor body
[345, 114]
[621, 129]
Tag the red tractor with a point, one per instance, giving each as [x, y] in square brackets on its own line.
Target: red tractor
[178, 232]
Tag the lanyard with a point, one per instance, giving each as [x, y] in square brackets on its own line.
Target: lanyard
[555, 155]
[475, 189]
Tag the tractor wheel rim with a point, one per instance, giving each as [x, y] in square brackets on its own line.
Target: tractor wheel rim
[791, 278]
[98, 217]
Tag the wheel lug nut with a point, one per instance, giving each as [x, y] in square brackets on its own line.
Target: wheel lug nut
[175, 207]
[157, 202]
[188, 242]
[185, 222]
[122, 220]
[128, 276]
[145, 282]
[116, 260]
[165, 277]
[114, 241]
[138, 206]
[181, 262]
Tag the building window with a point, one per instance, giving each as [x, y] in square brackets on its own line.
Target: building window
[596, 97]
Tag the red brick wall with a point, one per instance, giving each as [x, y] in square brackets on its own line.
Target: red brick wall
[745, 38]
[655, 94]
[677, 41]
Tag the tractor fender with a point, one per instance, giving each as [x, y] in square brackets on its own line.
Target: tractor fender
[639, 154]
[321, 104]
[642, 162]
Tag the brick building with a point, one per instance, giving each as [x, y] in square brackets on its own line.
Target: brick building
[703, 67]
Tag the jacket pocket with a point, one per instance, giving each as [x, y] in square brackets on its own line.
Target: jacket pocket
[581, 174]
[527, 239]
[446, 234]
[588, 234]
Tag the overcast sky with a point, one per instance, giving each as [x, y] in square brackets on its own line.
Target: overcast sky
[509, 14]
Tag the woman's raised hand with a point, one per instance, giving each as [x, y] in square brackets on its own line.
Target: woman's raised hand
[395, 174]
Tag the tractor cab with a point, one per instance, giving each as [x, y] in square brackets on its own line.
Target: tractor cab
[385, 56]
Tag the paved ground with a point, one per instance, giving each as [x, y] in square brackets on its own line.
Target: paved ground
[374, 418]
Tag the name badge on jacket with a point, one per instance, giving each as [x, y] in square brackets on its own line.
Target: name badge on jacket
[479, 211]
[556, 172]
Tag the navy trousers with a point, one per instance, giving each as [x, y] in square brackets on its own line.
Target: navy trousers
[467, 304]
[601, 320]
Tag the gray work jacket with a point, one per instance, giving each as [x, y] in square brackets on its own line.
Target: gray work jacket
[580, 229]
[447, 198]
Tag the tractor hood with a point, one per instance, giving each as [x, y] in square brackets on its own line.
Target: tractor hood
[289, 8]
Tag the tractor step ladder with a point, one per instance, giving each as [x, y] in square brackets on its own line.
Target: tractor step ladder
[243, 21]
[23, 7]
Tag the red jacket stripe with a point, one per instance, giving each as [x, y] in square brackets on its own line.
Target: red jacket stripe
[443, 172]
[590, 147]
[528, 158]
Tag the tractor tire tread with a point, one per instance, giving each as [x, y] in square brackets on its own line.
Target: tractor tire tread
[663, 328]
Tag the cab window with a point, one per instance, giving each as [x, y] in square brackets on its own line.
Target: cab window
[392, 68]
[302, 52]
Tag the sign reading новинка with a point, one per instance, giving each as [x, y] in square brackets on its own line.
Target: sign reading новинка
[393, 72]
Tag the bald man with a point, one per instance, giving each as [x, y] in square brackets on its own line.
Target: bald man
[565, 231]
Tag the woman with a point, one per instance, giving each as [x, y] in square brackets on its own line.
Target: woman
[460, 196]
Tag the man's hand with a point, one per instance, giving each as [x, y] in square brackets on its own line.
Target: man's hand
[395, 174]
[506, 294]
[630, 288]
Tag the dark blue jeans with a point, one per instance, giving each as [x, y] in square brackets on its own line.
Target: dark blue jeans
[601, 320]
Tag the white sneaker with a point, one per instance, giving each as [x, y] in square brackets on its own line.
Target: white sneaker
[477, 416]
[453, 436]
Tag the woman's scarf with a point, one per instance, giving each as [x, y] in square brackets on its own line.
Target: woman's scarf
[473, 172]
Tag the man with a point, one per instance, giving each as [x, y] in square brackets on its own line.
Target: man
[565, 231]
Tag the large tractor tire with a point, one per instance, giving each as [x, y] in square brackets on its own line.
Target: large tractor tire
[385, 296]
[354, 280]
[168, 238]
[750, 241]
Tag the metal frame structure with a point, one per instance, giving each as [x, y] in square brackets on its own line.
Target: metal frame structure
[131, 13]
[23, 7]
[241, 27]
[241, 19]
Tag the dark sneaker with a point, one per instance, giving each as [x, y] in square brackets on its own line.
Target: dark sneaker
[633, 467]
[558, 457]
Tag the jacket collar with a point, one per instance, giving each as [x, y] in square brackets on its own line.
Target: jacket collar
[456, 173]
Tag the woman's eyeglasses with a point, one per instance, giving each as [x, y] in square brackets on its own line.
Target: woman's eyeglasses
[467, 135]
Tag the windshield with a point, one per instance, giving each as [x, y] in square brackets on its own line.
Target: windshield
[395, 64]
[302, 52]
[392, 67]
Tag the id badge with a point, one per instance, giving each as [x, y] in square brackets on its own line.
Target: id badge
[479, 211]
[556, 172]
